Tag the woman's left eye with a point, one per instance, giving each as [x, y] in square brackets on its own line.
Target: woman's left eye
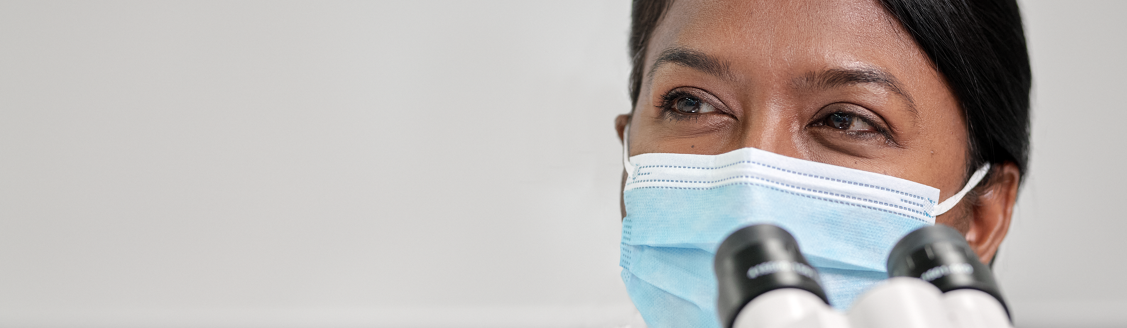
[847, 122]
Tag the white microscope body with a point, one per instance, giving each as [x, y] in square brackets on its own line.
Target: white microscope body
[936, 282]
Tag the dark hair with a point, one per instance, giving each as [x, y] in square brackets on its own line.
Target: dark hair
[977, 45]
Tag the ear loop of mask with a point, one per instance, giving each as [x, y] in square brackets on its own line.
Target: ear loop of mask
[626, 151]
[975, 178]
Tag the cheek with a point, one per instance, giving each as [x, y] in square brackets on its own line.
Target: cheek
[958, 218]
[943, 143]
[948, 150]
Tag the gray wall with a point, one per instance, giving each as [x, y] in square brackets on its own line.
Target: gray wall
[429, 164]
[1063, 264]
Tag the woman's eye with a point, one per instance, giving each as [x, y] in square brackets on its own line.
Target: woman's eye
[692, 105]
[848, 122]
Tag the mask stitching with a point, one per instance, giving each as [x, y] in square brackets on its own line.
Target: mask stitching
[791, 186]
[637, 170]
[798, 194]
[911, 202]
[793, 172]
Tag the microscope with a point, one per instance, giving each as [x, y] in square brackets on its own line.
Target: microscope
[935, 280]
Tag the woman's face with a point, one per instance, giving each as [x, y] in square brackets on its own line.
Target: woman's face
[837, 82]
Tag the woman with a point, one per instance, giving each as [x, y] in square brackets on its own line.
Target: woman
[848, 123]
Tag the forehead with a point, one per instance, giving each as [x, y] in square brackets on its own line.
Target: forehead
[783, 35]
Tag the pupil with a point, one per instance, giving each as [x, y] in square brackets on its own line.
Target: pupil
[841, 121]
[688, 105]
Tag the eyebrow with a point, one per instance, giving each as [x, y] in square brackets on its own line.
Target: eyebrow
[840, 77]
[826, 79]
[692, 59]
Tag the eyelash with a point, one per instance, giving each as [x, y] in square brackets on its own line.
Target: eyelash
[670, 98]
[881, 130]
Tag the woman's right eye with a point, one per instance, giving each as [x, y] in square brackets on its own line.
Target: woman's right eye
[692, 105]
[689, 111]
[681, 104]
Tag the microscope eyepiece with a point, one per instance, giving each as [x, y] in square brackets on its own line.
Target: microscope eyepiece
[941, 256]
[758, 259]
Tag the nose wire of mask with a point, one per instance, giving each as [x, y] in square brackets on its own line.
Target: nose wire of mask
[680, 206]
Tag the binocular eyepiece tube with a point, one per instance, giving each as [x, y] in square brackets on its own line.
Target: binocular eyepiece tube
[935, 280]
[941, 256]
[758, 259]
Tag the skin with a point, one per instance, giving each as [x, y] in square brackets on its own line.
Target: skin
[838, 82]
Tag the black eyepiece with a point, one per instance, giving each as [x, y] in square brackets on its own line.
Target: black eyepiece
[940, 255]
[758, 259]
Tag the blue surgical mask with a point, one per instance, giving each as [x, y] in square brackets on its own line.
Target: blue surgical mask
[679, 207]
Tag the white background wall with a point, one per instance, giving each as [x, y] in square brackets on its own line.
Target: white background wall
[424, 163]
